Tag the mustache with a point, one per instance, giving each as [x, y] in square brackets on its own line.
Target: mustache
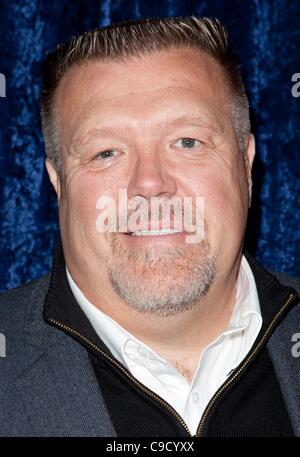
[156, 213]
[164, 210]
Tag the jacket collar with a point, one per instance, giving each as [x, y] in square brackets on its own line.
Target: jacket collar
[60, 304]
[55, 380]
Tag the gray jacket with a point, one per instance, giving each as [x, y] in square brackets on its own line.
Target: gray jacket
[48, 386]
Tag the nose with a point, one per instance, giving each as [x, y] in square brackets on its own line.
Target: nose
[151, 178]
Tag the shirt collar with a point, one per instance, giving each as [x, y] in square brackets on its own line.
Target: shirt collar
[246, 299]
[118, 340]
[121, 343]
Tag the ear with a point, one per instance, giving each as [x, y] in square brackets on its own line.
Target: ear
[53, 176]
[249, 157]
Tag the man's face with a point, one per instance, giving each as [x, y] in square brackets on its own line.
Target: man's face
[123, 126]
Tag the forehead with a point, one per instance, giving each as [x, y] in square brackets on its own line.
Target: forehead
[149, 88]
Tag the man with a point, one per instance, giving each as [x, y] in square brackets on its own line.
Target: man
[136, 331]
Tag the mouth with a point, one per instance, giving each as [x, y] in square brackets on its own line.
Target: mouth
[151, 237]
[161, 232]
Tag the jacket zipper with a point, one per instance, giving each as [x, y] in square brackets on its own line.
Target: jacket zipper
[125, 371]
[166, 405]
[249, 358]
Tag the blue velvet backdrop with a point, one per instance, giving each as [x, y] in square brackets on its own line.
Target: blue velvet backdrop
[265, 35]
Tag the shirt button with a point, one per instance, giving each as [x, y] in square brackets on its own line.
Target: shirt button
[195, 396]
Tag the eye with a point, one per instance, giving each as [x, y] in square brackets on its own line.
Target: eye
[188, 143]
[108, 154]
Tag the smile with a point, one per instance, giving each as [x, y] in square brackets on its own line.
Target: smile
[154, 232]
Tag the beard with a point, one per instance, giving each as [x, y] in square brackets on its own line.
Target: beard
[161, 280]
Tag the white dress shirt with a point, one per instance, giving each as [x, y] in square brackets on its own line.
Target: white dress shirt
[216, 361]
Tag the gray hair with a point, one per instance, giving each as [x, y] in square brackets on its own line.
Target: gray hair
[126, 40]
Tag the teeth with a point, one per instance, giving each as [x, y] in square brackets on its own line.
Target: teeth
[154, 232]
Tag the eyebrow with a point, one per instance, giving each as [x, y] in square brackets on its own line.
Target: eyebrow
[197, 121]
[188, 120]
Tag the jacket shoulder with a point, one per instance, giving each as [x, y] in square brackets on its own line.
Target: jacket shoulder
[284, 350]
[291, 281]
[16, 303]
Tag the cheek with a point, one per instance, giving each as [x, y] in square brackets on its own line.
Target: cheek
[225, 208]
[223, 205]
[83, 193]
